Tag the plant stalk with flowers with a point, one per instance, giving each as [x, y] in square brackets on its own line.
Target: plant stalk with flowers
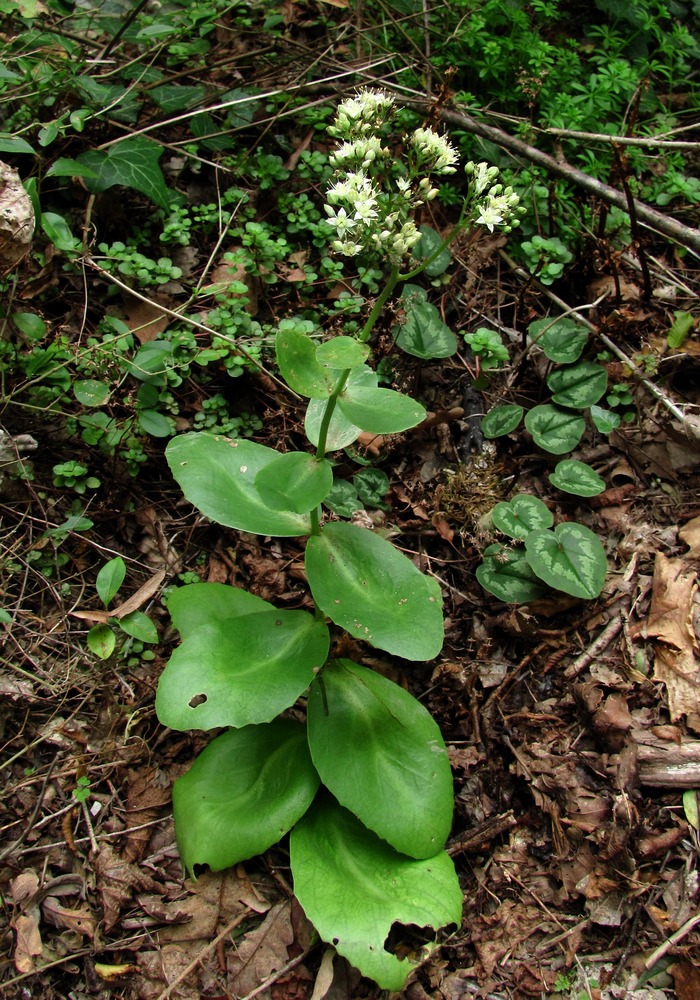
[317, 745]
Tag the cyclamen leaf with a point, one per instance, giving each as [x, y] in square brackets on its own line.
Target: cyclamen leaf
[295, 481]
[132, 163]
[604, 420]
[562, 339]
[429, 243]
[354, 887]
[243, 792]
[507, 575]
[569, 558]
[422, 333]
[578, 386]
[554, 429]
[218, 474]
[501, 420]
[577, 478]
[372, 590]
[521, 516]
[381, 753]
[380, 411]
[242, 671]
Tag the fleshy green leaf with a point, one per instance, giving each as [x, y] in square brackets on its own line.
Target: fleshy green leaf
[576, 477]
[109, 579]
[217, 475]
[422, 333]
[132, 163]
[507, 575]
[243, 792]
[578, 386]
[569, 558]
[210, 603]
[295, 481]
[154, 423]
[605, 420]
[521, 515]
[354, 887]
[299, 366]
[90, 392]
[341, 353]
[380, 411]
[562, 340]
[101, 641]
[382, 755]
[554, 429]
[501, 420]
[372, 590]
[342, 431]
[242, 671]
[139, 626]
[59, 232]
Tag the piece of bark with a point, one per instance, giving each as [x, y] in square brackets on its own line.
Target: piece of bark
[666, 763]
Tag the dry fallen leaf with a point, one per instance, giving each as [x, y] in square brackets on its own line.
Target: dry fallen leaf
[79, 920]
[263, 951]
[116, 881]
[670, 623]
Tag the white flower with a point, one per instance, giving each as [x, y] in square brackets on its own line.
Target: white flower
[482, 176]
[361, 115]
[360, 151]
[346, 247]
[340, 220]
[437, 151]
[489, 216]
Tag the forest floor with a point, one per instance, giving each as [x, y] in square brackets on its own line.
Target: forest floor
[573, 726]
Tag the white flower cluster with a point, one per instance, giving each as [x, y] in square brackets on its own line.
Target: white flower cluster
[500, 207]
[434, 153]
[362, 115]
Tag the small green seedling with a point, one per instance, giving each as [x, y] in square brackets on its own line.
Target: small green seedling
[75, 476]
[81, 792]
[102, 637]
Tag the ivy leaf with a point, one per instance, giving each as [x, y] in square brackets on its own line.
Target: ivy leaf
[501, 420]
[569, 558]
[383, 757]
[243, 792]
[521, 515]
[218, 475]
[554, 429]
[507, 575]
[354, 887]
[369, 588]
[241, 671]
[132, 163]
[578, 386]
[576, 477]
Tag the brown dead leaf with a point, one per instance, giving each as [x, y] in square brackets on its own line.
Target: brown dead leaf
[148, 791]
[116, 881]
[147, 320]
[28, 944]
[690, 534]
[133, 603]
[79, 920]
[670, 622]
[263, 951]
[686, 979]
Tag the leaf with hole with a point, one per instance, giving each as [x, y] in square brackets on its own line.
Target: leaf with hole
[243, 793]
[562, 339]
[365, 585]
[507, 575]
[354, 887]
[382, 755]
[241, 671]
[554, 429]
[501, 420]
[380, 411]
[569, 558]
[521, 515]
[217, 475]
[295, 481]
[576, 477]
[422, 333]
[579, 385]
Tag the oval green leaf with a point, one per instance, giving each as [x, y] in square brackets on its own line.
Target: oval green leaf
[383, 757]
[374, 592]
[298, 365]
[205, 603]
[341, 353]
[604, 420]
[342, 431]
[295, 481]
[243, 792]
[507, 575]
[109, 579]
[422, 333]
[242, 671]
[429, 243]
[90, 392]
[521, 516]
[579, 386]
[139, 626]
[154, 423]
[380, 411]
[217, 475]
[569, 558]
[562, 340]
[101, 641]
[501, 420]
[354, 887]
[576, 477]
[554, 429]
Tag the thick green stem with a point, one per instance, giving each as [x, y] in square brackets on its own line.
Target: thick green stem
[391, 283]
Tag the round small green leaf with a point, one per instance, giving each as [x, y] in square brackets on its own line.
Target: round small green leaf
[241, 671]
[579, 385]
[521, 516]
[369, 588]
[380, 411]
[569, 558]
[354, 887]
[90, 392]
[243, 792]
[205, 603]
[101, 641]
[507, 575]
[295, 481]
[341, 353]
[299, 367]
[501, 420]
[154, 423]
[139, 626]
[576, 477]
[562, 340]
[383, 757]
[109, 579]
[554, 429]
[605, 420]
[218, 474]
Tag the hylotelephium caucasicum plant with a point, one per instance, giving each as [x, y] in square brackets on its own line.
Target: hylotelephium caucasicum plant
[362, 784]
